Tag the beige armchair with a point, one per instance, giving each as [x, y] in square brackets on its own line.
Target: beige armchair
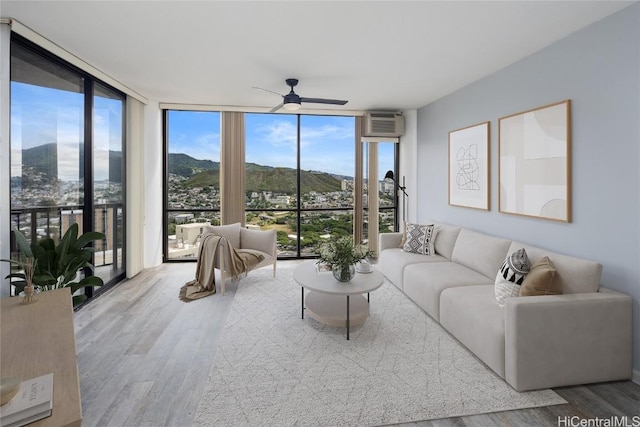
[259, 242]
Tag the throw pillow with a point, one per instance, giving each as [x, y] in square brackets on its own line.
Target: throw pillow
[541, 280]
[419, 239]
[511, 275]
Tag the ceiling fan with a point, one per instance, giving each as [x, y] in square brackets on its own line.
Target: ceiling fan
[292, 101]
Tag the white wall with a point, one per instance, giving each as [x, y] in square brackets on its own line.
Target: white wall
[153, 185]
[598, 68]
[408, 162]
[135, 178]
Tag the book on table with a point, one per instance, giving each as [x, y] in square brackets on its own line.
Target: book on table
[33, 402]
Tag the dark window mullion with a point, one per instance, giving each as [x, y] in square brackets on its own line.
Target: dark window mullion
[165, 190]
[88, 208]
[298, 192]
[395, 188]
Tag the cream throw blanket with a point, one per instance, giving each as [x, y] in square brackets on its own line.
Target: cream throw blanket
[236, 263]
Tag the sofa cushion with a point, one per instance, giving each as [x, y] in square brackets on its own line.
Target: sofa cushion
[264, 258]
[472, 316]
[424, 282]
[541, 280]
[393, 261]
[511, 276]
[230, 231]
[389, 240]
[446, 239]
[419, 239]
[574, 275]
[481, 252]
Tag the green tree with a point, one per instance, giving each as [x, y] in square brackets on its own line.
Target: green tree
[283, 238]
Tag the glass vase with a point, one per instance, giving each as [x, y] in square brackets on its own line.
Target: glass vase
[344, 273]
[30, 294]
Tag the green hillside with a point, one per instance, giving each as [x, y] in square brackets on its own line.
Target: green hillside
[206, 173]
[43, 160]
[200, 173]
[278, 180]
[185, 165]
[283, 180]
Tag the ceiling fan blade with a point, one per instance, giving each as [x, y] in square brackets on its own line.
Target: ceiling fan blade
[266, 90]
[324, 101]
[276, 108]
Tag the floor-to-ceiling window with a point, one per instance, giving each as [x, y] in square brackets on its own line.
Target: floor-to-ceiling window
[271, 177]
[192, 187]
[388, 207]
[299, 178]
[385, 154]
[108, 180]
[67, 155]
[327, 169]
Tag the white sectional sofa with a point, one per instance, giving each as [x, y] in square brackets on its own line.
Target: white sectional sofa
[582, 336]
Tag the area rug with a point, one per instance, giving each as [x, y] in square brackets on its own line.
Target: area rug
[273, 368]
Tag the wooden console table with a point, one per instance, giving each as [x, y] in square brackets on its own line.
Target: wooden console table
[37, 339]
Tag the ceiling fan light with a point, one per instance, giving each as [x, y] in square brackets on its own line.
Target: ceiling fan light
[291, 106]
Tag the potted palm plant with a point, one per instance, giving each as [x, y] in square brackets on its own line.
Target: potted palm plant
[342, 254]
[56, 266]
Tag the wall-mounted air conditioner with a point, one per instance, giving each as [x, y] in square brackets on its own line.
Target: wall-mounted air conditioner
[383, 124]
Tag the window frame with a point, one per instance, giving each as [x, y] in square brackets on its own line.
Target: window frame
[88, 204]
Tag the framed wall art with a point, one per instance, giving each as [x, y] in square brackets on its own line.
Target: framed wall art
[469, 166]
[535, 162]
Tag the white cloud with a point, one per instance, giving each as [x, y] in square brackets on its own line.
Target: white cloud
[279, 134]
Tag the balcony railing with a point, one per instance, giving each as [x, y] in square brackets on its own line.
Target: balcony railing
[53, 221]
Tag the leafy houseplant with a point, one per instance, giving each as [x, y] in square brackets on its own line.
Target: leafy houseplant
[57, 266]
[342, 254]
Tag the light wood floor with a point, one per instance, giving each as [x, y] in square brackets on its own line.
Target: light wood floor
[144, 357]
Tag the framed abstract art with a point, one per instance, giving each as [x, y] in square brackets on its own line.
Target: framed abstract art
[469, 166]
[535, 162]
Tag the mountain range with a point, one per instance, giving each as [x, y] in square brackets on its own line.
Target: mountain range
[203, 173]
[42, 160]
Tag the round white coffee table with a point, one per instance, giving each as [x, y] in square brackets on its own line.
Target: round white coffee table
[325, 301]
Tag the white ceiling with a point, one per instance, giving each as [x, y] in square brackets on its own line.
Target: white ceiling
[393, 55]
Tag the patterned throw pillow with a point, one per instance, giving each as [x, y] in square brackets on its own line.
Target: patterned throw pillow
[419, 239]
[511, 275]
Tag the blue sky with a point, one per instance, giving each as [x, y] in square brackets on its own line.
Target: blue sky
[43, 115]
[327, 142]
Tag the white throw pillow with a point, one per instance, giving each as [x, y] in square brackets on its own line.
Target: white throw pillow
[419, 239]
[511, 275]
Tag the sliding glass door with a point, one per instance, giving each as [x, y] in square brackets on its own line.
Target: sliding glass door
[67, 155]
[108, 181]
